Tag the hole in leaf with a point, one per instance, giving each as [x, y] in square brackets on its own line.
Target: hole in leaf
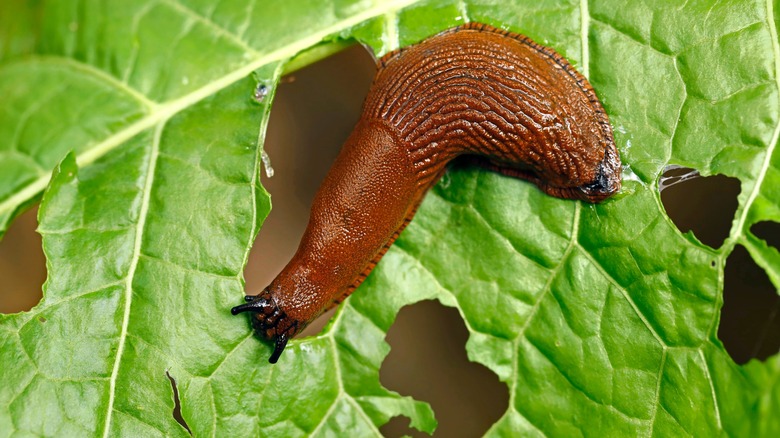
[311, 118]
[768, 231]
[750, 318]
[401, 426]
[22, 265]
[428, 362]
[704, 205]
[177, 404]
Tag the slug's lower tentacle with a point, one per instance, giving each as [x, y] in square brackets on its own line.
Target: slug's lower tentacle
[473, 90]
[268, 320]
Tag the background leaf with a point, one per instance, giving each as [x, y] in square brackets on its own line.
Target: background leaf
[600, 319]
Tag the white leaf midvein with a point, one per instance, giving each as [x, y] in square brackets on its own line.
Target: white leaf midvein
[167, 110]
[128, 294]
[738, 230]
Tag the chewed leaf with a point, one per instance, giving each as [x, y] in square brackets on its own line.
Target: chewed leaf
[598, 318]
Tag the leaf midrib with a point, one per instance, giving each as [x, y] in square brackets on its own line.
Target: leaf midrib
[165, 111]
[128, 289]
[738, 233]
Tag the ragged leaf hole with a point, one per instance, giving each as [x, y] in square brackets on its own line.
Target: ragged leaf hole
[311, 118]
[674, 175]
[704, 205]
[22, 265]
[428, 361]
[767, 231]
[177, 403]
[750, 317]
[400, 426]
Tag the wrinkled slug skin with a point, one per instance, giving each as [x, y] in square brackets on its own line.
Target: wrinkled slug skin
[515, 106]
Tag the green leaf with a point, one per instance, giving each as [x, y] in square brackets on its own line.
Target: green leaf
[601, 319]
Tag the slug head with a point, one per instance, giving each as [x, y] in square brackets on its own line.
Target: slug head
[269, 321]
[606, 181]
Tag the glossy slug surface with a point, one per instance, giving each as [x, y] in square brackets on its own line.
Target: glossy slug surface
[519, 108]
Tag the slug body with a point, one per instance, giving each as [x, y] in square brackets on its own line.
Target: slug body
[518, 107]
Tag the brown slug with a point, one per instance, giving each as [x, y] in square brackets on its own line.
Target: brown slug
[520, 108]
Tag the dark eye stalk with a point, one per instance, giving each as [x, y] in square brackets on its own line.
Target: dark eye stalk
[265, 320]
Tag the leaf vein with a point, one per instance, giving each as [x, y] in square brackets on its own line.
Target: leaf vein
[199, 169]
[337, 367]
[51, 304]
[547, 287]
[162, 353]
[229, 353]
[508, 240]
[625, 294]
[631, 37]
[714, 394]
[740, 225]
[580, 388]
[442, 288]
[657, 400]
[188, 269]
[165, 111]
[219, 30]
[584, 43]
[128, 295]
[363, 415]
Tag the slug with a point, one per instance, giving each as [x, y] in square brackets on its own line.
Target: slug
[516, 107]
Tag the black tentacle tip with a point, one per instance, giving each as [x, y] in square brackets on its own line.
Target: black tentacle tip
[269, 321]
[281, 342]
[248, 306]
